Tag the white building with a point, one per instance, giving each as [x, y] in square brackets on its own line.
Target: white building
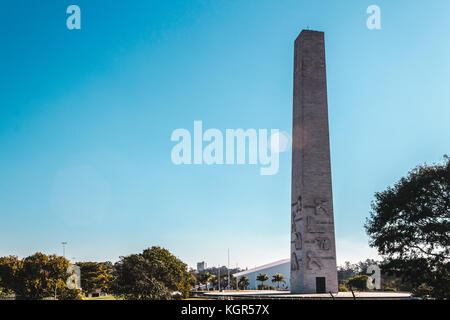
[283, 267]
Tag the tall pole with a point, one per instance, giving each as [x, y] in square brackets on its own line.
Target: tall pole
[64, 248]
[256, 285]
[229, 280]
[219, 278]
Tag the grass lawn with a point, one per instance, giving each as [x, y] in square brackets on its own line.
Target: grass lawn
[103, 298]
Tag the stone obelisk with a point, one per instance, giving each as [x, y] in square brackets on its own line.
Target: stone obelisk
[313, 250]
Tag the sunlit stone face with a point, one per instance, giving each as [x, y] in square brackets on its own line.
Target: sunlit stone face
[313, 251]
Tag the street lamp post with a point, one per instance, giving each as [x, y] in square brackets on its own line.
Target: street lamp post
[64, 248]
[219, 278]
[228, 269]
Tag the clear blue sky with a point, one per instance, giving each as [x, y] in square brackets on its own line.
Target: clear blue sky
[86, 118]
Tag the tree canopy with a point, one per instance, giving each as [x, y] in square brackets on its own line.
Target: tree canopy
[277, 278]
[152, 274]
[37, 276]
[262, 277]
[410, 226]
[243, 282]
[96, 275]
[358, 282]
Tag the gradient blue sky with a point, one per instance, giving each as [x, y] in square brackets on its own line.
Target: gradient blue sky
[86, 118]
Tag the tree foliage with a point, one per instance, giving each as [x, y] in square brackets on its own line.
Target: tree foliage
[278, 278]
[36, 277]
[205, 278]
[152, 274]
[358, 282]
[349, 270]
[243, 282]
[96, 275]
[262, 277]
[342, 288]
[9, 271]
[410, 226]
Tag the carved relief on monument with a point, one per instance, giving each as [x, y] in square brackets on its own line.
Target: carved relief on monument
[321, 207]
[294, 262]
[298, 241]
[314, 225]
[297, 209]
[324, 243]
[313, 260]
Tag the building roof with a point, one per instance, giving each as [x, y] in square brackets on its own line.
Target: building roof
[266, 266]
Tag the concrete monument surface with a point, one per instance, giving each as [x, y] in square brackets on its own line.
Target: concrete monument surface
[313, 251]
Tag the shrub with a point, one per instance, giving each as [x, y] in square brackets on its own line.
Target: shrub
[342, 288]
[358, 282]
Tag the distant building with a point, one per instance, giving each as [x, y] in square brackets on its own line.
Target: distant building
[282, 267]
[201, 266]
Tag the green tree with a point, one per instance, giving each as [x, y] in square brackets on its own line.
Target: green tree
[410, 226]
[262, 277]
[214, 280]
[9, 270]
[36, 277]
[136, 279]
[95, 275]
[195, 277]
[358, 282]
[244, 282]
[277, 278]
[153, 274]
[349, 270]
[206, 278]
[233, 282]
